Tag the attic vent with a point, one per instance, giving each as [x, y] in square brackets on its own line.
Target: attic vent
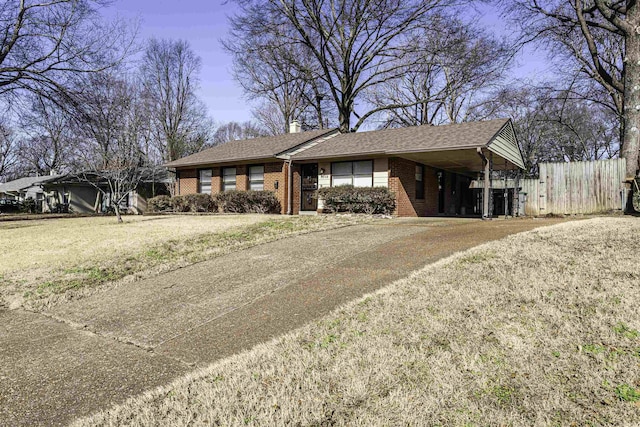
[507, 134]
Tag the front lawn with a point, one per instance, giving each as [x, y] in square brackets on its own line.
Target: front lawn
[540, 328]
[44, 261]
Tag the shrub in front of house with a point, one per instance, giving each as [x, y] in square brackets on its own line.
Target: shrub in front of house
[234, 201]
[227, 201]
[179, 204]
[200, 203]
[263, 202]
[368, 200]
[160, 204]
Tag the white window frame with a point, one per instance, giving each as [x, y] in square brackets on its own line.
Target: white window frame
[352, 178]
[204, 181]
[256, 179]
[227, 183]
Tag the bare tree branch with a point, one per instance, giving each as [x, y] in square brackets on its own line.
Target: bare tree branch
[354, 45]
[44, 44]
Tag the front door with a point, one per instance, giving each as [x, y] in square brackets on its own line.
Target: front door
[309, 187]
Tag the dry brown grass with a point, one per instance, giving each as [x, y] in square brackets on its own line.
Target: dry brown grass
[45, 261]
[540, 328]
[63, 243]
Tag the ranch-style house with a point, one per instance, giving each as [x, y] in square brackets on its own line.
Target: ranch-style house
[430, 169]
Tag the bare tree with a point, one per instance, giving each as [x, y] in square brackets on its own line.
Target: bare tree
[602, 37]
[270, 117]
[554, 126]
[281, 74]
[170, 77]
[234, 131]
[449, 76]
[111, 120]
[43, 43]
[8, 151]
[354, 44]
[48, 142]
[581, 130]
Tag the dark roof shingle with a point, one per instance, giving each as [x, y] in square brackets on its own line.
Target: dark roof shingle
[406, 140]
[256, 148]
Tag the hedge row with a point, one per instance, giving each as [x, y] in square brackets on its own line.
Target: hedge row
[368, 200]
[227, 202]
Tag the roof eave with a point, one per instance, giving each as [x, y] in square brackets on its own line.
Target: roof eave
[232, 160]
[392, 152]
[277, 155]
[333, 156]
[433, 150]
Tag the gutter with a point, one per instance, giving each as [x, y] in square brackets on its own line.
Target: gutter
[388, 152]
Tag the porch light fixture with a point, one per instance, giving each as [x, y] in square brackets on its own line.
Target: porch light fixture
[275, 185]
[321, 171]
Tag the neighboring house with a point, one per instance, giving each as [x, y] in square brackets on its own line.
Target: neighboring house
[28, 187]
[428, 168]
[71, 193]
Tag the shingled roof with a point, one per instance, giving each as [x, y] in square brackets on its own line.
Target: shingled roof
[20, 184]
[250, 149]
[413, 139]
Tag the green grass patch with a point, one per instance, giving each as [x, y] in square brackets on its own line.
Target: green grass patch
[594, 348]
[156, 254]
[58, 287]
[504, 394]
[477, 258]
[626, 331]
[627, 393]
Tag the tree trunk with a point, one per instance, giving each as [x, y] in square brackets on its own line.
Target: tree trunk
[319, 112]
[116, 209]
[344, 117]
[631, 145]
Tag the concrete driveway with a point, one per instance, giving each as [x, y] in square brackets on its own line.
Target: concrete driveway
[90, 353]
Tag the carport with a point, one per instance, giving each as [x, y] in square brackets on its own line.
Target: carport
[430, 168]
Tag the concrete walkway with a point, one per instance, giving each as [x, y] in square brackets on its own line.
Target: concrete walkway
[119, 342]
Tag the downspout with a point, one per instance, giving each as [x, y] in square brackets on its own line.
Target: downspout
[290, 188]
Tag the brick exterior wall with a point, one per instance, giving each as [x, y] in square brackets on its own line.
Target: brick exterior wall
[188, 181]
[242, 181]
[402, 182]
[216, 180]
[296, 189]
[275, 171]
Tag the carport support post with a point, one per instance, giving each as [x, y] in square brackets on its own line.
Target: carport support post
[486, 192]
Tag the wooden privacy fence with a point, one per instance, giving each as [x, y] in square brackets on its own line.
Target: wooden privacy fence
[575, 188]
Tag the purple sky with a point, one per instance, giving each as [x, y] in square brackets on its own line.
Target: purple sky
[203, 23]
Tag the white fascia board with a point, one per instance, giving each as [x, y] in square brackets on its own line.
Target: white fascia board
[287, 154]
